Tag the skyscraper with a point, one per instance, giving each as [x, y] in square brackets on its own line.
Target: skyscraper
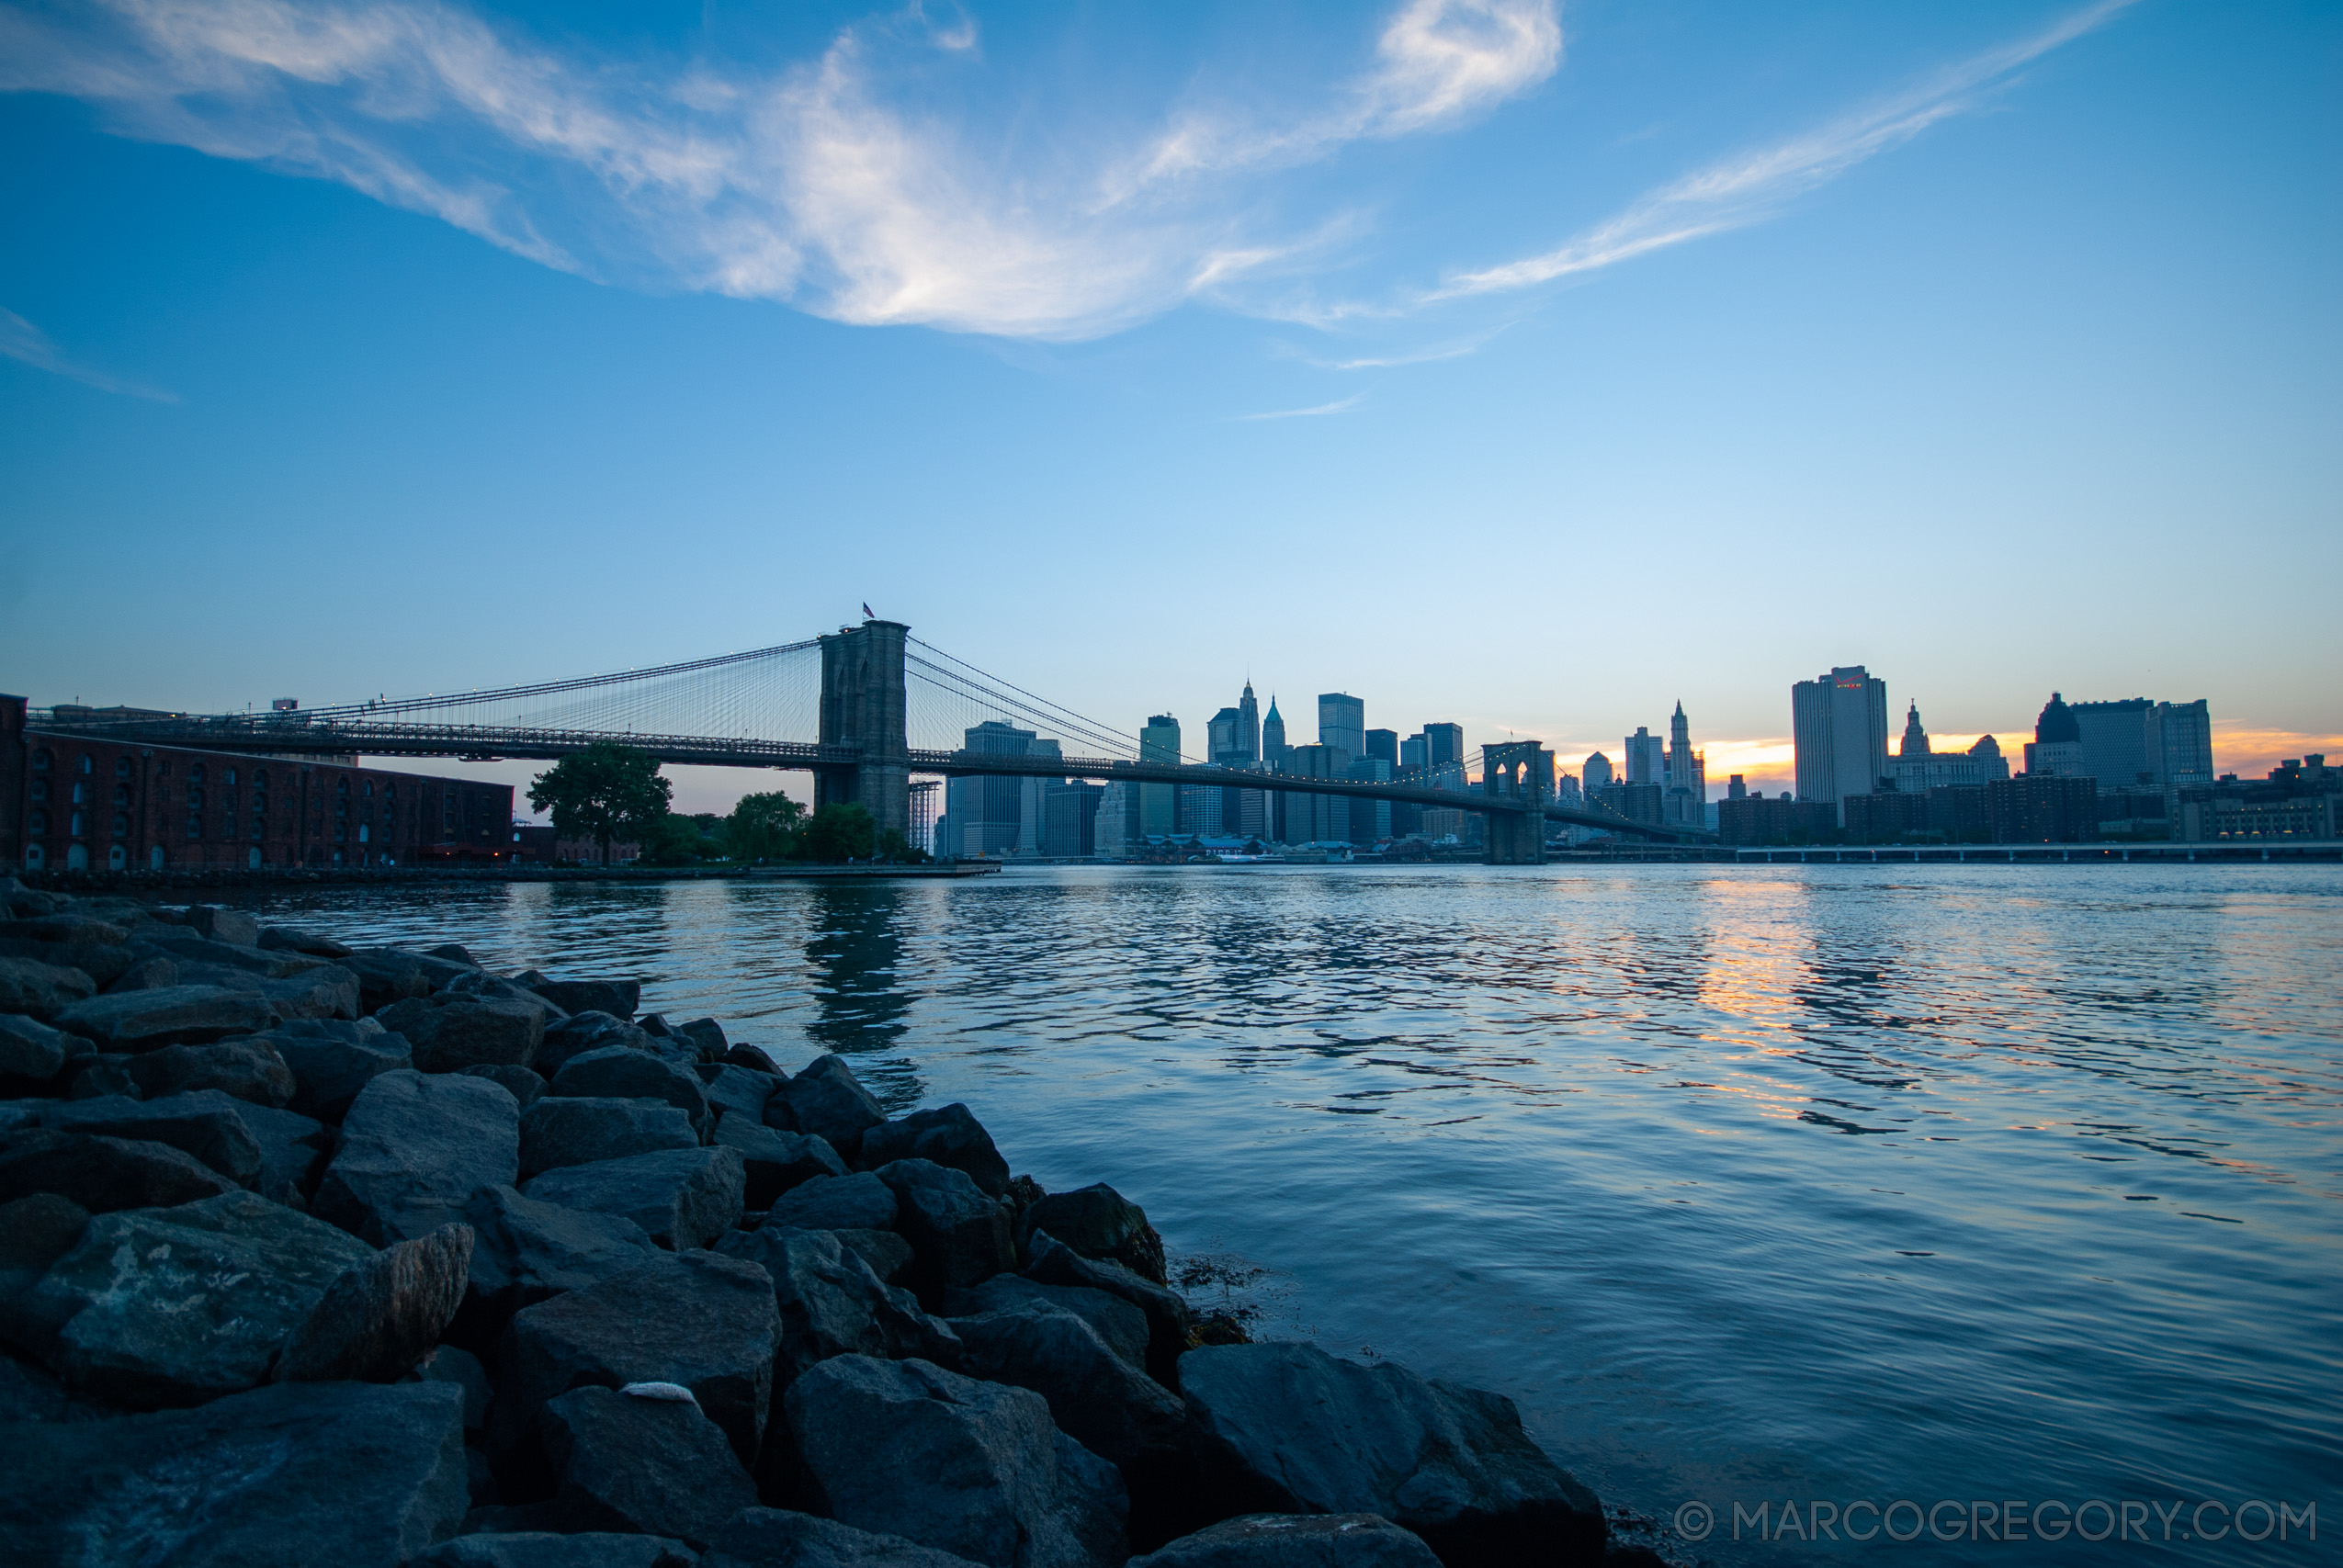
[2057, 749]
[1272, 735]
[1444, 743]
[1594, 773]
[1687, 774]
[1838, 722]
[1342, 724]
[1159, 803]
[987, 815]
[1646, 758]
[1384, 744]
[1224, 747]
[1248, 723]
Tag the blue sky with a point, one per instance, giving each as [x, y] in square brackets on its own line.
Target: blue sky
[1530, 365]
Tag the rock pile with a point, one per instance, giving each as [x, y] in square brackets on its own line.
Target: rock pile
[311, 1255]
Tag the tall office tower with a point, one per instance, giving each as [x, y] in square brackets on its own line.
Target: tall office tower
[1316, 819]
[1224, 743]
[1342, 723]
[1594, 773]
[987, 815]
[1838, 722]
[1200, 807]
[2115, 742]
[1370, 820]
[1736, 789]
[1249, 725]
[1116, 825]
[1159, 803]
[1444, 743]
[1687, 778]
[1069, 825]
[1033, 811]
[2057, 749]
[1384, 744]
[1646, 758]
[1414, 752]
[1273, 735]
[2181, 743]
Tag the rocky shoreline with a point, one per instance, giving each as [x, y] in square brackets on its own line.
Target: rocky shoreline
[311, 1255]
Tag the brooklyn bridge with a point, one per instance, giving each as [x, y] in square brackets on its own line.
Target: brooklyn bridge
[864, 709]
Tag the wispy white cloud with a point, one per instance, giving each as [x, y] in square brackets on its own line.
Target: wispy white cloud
[1751, 185]
[1436, 63]
[1345, 406]
[20, 340]
[805, 184]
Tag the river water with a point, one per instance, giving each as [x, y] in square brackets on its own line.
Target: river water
[1749, 1184]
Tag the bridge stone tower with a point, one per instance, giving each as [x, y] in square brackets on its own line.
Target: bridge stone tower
[862, 706]
[1520, 771]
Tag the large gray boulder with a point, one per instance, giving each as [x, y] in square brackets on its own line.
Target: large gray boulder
[856, 1202]
[1098, 1222]
[388, 975]
[780, 1537]
[450, 1030]
[42, 990]
[248, 1069]
[155, 1307]
[582, 1032]
[684, 1197]
[205, 1124]
[699, 1319]
[736, 1090]
[971, 1468]
[1106, 1403]
[222, 925]
[1121, 1326]
[190, 947]
[832, 1304]
[1290, 1429]
[1051, 1262]
[146, 972]
[776, 1161]
[651, 1466]
[563, 1130]
[293, 1152]
[617, 1072]
[168, 1015]
[526, 1084]
[415, 1149]
[958, 1235]
[300, 938]
[355, 1475]
[329, 992]
[104, 1174]
[333, 1060]
[382, 1315]
[1298, 1540]
[949, 1135]
[828, 1100]
[543, 1548]
[32, 1054]
[525, 1251]
[615, 998]
[104, 963]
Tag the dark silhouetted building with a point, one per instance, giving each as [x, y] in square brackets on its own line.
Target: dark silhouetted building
[1839, 724]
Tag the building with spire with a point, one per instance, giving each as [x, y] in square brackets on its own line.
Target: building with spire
[2057, 749]
[1685, 781]
[1917, 767]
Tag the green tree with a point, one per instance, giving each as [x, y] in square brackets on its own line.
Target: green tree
[681, 840]
[838, 833]
[605, 792]
[893, 846]
[764, 827]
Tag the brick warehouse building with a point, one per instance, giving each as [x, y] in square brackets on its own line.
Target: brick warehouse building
[72, 804]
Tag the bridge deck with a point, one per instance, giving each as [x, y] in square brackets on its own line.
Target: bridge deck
[282, 736]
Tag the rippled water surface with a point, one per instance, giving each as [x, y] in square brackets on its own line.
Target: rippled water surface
[1747, 1183]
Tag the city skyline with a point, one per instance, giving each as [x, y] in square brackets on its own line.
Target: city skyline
[1681, 351]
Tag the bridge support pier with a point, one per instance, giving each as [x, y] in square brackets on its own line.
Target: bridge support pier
[1519, 772]
[862, 706]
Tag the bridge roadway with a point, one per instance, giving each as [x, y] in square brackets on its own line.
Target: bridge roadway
[269, 735]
